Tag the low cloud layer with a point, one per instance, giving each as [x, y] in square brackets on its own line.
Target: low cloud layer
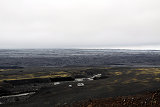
[79, 23]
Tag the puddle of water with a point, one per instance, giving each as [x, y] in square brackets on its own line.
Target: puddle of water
[79, 79]
[17, 95]
[56, 83]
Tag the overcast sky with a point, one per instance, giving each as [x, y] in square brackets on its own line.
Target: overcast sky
[80, 24]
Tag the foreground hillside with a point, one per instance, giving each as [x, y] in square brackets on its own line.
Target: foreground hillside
[49, 86]
[150, 99]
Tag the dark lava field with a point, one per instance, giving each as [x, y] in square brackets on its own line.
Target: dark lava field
[79, 77]
[78, 57]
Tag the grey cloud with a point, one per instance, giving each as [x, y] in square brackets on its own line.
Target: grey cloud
[79, 23]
